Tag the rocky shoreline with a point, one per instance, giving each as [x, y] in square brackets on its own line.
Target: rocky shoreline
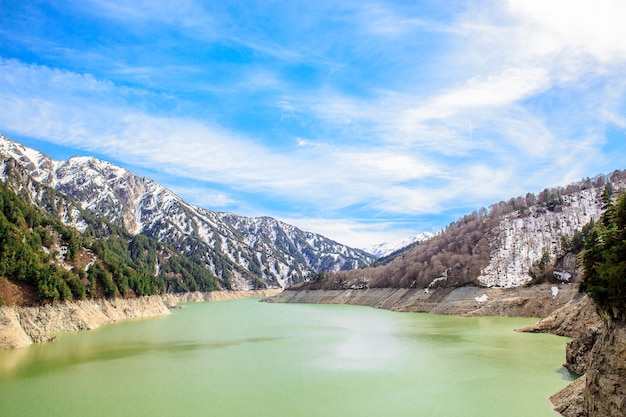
[533, 301]
[597, 350]
[21, 326]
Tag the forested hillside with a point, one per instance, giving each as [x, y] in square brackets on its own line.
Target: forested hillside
[42, 259]
[244, 253]
[511, 243]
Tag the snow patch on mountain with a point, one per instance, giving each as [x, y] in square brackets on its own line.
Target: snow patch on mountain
[519, 242]
[387, 248]
[243, 252]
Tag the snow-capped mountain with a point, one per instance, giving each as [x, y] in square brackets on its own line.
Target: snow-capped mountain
[243, 252]
[387, 248]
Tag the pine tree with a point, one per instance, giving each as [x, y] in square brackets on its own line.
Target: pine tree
[604, 259]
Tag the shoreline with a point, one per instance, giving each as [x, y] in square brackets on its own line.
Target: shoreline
[566, 313]
[21, 326]
[535, 301]
[569, 314]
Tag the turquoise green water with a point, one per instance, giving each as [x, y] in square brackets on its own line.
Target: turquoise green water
[245, 358]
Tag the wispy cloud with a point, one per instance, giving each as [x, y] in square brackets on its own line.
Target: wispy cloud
[67, 114]
[183, 13]
[336, 111]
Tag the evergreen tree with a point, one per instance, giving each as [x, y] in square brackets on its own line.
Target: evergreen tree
[604, 259]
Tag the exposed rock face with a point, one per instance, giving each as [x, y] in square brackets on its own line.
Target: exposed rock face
[12, 335]
[198, 297]
[21, 326]
[535, 301]
[570, 401]
[578, 351]
[605, 390]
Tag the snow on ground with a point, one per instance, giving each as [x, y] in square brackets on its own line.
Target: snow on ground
[520, 242]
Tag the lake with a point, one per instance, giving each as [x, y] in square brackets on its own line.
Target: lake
[246, 358]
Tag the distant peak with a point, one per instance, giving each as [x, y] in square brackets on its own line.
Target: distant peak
[387, 248]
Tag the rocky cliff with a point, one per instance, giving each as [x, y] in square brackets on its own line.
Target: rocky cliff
[601, 390]
[22, 326]
[605, 388]
[597, 352]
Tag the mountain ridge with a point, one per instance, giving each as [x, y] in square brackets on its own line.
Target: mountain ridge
[245, 253]
[517, 242]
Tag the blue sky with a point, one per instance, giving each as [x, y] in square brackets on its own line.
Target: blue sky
[365, 121]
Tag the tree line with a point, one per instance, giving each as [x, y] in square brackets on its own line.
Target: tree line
[38, 250]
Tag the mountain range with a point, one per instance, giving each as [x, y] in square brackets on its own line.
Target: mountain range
[495, 247]
[242, 252]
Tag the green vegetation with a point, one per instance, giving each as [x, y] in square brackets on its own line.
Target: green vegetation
[23, 231]
[604, 259]
[38, 250]
[541, 269]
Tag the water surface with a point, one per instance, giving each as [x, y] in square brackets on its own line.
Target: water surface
[245, 358]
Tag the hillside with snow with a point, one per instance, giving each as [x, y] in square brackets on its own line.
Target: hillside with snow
[244, 253]
[520, 241]
[513, 243]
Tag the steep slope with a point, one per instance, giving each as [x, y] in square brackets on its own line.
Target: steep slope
[508, 245]
[522, 239]
[245, 253]
[43, 259]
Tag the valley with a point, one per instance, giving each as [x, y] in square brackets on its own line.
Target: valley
[137, 250]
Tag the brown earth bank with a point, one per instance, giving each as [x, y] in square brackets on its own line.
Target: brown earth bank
[533, 301]
[23, 325]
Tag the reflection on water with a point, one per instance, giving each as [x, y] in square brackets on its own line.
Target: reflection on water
[21, 363]
[364, 342]
[244, 358]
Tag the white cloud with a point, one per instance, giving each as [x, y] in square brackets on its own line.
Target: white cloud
[595, 28]
[493, 91]
[402, 178]
[378, 19]
[66, 113]
[538, 81]
[352, 232]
